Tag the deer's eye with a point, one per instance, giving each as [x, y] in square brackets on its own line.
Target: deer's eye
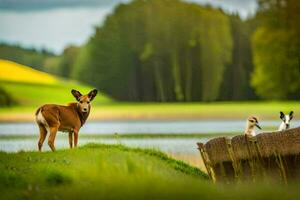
[81, 101]
[88, 102]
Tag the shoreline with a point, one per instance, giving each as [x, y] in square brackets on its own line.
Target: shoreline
[20, 117]
[168, 111]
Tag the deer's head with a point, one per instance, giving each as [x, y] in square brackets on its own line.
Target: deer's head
[83, 101]
[286, 119]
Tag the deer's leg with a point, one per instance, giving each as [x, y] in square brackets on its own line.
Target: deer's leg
[71, 139]
[51, 139]
[75, 138]
[43, 134]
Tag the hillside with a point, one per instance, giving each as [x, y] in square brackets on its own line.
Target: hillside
[11, 71]
[26, 56]
[117, 172]
[30, 87]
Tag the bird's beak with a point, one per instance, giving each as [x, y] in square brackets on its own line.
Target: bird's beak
[257, 126]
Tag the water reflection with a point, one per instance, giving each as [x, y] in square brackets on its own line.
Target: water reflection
[188, 126]
[167, 145]
[92, 132]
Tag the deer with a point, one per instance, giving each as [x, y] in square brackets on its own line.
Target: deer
[51, 118]
[286, 119]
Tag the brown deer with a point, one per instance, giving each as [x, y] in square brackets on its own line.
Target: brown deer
[52, 118]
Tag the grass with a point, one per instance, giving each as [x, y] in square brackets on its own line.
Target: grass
[90, 168]
[164, 111]
[216, 110]
[117, 172]
[34, 95]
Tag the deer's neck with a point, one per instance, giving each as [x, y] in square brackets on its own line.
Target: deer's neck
[82, 115]
[282, 126]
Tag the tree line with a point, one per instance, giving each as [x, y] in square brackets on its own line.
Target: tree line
[158, 50]
[42, 59]
[276, 47]
[163, 50]
[26, 56]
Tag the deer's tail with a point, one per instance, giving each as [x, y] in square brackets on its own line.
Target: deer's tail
[37, 111]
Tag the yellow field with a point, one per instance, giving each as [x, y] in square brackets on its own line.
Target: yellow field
[11, 71]
[30, 87]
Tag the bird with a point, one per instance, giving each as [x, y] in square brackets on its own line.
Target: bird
[252, 122]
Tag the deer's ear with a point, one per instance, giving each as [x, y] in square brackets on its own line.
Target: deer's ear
[291, 115]
[92, 94]
[76, 94]
[282, 115]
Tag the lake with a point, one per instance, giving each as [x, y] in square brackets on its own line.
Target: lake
[172, 145]
[150, 126]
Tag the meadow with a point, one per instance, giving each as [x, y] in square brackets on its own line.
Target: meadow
[105, 110]
[117, 172]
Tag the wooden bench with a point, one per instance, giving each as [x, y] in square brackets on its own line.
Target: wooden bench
[272, 155]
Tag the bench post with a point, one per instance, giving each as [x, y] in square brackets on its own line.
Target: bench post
[206, 161]
[235, 165]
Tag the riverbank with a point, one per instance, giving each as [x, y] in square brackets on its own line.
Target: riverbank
[107, 171]
[168, 111]
[117, 172]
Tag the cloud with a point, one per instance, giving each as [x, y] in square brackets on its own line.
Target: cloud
[31, 5]
[52, 29]
[243, 7]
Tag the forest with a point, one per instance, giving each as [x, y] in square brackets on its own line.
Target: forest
[154, 51]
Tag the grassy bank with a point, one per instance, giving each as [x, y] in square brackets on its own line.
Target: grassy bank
[119, 172]
[167, 111]
[128, 136]
[216, 110]
[101, 170]
[33, 94]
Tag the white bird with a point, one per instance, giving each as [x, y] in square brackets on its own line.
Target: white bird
[252, 122]
[286, 119]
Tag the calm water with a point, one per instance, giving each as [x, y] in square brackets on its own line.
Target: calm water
[168, 145]
[106, 127]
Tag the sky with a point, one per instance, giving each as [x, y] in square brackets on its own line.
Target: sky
[54, 24]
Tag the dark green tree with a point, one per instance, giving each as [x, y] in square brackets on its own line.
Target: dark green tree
[276, 46]
[67, 61]
[158, 50]
[236, 81]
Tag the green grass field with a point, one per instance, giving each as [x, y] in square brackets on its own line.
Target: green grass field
[32, 94]
[216, 110]
[118, 172]
[165, 111]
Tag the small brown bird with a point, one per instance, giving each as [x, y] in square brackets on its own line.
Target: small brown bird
[252, 122]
